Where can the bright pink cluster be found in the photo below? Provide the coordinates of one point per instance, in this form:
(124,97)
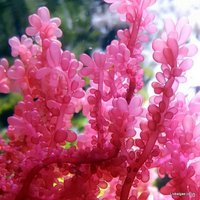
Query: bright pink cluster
(116,155)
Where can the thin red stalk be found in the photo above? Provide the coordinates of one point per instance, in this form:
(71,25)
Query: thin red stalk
(131,44)
(144,156)
(130,91)
(134,32)
(55,160)
(29,178)
(136,166)
(58,125)
(99,116)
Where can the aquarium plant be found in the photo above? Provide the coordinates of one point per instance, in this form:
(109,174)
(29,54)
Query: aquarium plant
(124,146)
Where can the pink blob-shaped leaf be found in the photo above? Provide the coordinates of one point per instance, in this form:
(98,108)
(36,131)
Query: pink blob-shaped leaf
(73,68)
(31,31)
(135,108)
(60,136)
(188,123)
(159,45)
(99,59)
(15,121)
(87,60)
(186,64)
(16,72)
(145,176)
(43,12)
(54,55)
(41,73)
(160,77)
(35,20)
(56,20)
(184,34)
(122,104)
(173,45)
(167,52)
(4,88)
(74,85)
(71,136)
(181,23)
(159,57)
(78,94)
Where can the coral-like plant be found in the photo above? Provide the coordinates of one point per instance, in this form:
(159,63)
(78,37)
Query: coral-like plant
(123,142)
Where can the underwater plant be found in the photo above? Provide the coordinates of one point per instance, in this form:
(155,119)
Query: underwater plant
(124,145)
